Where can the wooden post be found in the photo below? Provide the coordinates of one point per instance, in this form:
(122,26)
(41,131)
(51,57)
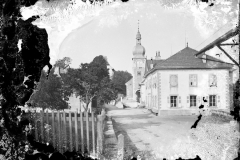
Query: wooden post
(47,138)
(76,131)
(42,125)
(59,131)
(70,130)
(64,131)
(93,134)
(99,135)
(120,155)
(53,130)
(81,124)
(36,127)
(87,126)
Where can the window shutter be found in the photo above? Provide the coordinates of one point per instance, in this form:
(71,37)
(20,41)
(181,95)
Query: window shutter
(207,98)
(168,99)
(187,99)
(179,99)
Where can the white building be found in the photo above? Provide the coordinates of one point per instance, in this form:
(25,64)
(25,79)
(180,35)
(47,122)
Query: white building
(178,84)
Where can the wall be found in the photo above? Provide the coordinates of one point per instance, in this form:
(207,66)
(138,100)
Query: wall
(151,92)
(184,90)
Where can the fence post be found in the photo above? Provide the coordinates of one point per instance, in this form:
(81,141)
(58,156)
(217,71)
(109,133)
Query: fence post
(70,130)
(93,133)
(42,125)
(59,131)
(47,138)
(81,124)
(87,126)
(76,130)
(120,155)
(53,130)
(36,127)
(99,135)
(64,131)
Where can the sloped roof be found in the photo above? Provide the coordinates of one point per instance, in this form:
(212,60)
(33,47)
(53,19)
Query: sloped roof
(186,59)
(129,81)
(149,61)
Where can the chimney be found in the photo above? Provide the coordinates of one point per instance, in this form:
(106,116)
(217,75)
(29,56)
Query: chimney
(158,57)
(204,58)
(151,65)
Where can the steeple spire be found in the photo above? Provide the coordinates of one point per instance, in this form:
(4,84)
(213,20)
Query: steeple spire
(138,37)
(138,25)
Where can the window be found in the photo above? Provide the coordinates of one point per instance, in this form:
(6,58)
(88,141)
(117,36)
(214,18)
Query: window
(193,80)
(173,80)
(139,73)
(173,100)
(212,80)
(193,101)
(212,101)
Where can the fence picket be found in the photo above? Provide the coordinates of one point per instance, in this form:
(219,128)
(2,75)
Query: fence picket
(47,137)
(59,128)
(99,136)
(93,134)
(87,128)
(59,131)
(81,124)
(42,125)
(53,130)
(36,127)
(76,131)
(70,130)
(64,132)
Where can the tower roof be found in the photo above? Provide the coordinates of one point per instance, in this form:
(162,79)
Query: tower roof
(138,50)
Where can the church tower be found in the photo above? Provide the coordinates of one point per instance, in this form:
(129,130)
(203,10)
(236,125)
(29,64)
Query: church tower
(138,64)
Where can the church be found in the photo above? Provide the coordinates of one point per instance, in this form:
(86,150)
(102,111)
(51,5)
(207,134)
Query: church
(177,85)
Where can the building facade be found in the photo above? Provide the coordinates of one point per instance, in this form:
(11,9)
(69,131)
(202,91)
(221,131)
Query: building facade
(178,84)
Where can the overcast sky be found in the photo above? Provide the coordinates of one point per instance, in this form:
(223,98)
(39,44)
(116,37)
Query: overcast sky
(113,34)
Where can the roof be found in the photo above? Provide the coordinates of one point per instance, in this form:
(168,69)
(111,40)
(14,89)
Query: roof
(149,61)
(226,36)
(129,81)
(186,59)
(139,50)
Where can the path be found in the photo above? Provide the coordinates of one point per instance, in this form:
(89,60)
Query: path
(145,132)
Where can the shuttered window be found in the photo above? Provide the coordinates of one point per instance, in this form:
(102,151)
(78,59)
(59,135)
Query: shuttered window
(193,80)
(212,80)
(173,80)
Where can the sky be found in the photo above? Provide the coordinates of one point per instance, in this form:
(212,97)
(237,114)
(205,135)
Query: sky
(82,32)
(161,30)
(113,34)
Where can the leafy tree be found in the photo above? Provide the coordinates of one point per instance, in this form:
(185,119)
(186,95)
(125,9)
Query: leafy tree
(90,80)
(119,79)
(50,93)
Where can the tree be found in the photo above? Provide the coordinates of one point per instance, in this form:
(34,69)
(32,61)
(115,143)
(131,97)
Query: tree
(50,93)
(90,80)
(119,79)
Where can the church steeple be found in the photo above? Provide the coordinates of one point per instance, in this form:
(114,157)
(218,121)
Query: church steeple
(138,50)
(138,36)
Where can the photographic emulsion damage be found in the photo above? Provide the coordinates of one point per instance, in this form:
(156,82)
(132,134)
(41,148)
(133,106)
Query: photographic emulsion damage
(119,80)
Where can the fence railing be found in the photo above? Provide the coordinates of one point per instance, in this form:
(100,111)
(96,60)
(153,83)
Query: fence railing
(71,130)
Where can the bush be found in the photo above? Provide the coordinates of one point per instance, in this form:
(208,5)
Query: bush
(236,100)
